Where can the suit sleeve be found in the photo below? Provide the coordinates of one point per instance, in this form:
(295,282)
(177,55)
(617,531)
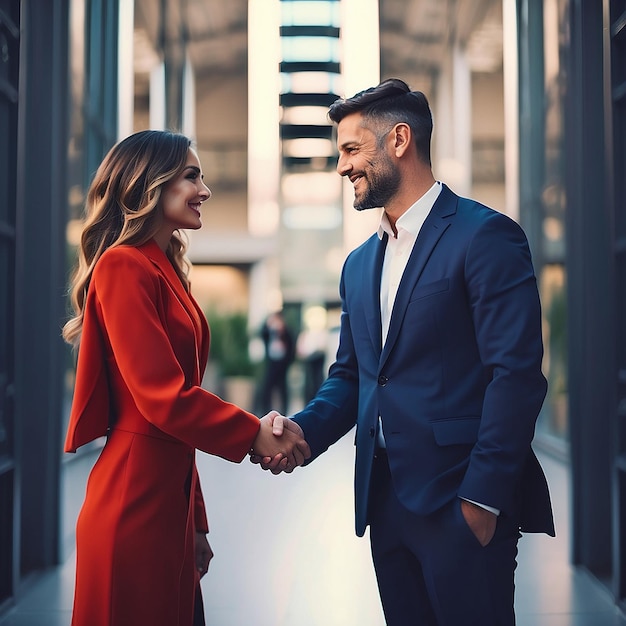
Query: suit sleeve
(506,312)
(333,410)
(127,296)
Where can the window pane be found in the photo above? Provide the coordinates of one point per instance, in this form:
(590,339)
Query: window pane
(310,49)
(310,13)
(553,296)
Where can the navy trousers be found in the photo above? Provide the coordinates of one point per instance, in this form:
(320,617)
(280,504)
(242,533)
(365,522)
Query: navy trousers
(431,570)
(198,609)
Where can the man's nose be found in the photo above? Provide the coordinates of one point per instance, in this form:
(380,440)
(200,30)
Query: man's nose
(343,167)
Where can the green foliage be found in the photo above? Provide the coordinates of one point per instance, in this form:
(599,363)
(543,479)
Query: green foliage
(556,316)
(229,343)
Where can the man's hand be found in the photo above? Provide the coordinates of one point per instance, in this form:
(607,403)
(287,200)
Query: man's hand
(279,462)
(481,522)
(204,554)
(280,444)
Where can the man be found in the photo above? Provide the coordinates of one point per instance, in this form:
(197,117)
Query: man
(439,366)
(279,354)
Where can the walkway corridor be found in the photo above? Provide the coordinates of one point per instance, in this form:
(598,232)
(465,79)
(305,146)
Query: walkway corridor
(286,554)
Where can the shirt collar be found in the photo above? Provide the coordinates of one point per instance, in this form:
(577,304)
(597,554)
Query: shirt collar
(413,218)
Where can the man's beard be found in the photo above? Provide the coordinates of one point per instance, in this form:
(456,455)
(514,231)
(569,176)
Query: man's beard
(381,185)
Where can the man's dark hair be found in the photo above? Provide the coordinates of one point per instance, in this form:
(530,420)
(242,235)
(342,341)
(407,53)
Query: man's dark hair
(387,104)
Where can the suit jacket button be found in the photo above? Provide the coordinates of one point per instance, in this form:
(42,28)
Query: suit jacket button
(372,432)
(382,380)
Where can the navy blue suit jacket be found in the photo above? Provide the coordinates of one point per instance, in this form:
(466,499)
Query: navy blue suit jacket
(458,383)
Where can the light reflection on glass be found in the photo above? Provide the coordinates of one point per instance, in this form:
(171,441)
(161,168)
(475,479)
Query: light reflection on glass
(310,13)
(310,49)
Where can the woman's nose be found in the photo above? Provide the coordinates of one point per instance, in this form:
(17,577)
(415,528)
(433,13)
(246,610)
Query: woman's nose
(205,192)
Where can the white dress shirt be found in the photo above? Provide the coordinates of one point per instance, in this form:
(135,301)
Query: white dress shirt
(399,250)
(397,253)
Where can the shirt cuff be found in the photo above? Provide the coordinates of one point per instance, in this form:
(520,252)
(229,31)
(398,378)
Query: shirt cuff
(483,506)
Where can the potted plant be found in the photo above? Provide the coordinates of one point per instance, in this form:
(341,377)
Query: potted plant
(230,355)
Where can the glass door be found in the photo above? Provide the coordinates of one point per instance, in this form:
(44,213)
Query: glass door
(9,64)
(615,116)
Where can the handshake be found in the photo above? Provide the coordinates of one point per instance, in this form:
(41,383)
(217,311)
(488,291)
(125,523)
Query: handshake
(279,445)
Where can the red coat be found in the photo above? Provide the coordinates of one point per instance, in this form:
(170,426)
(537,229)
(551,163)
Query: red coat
(143,351)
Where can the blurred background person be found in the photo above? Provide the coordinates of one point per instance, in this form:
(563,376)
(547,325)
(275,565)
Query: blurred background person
(279,355)
(312,350)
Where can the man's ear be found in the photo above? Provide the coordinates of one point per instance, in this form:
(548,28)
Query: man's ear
(402,138)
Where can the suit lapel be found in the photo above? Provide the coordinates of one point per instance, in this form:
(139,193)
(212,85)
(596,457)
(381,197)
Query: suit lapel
(431,232)
(371,290)
(152,251)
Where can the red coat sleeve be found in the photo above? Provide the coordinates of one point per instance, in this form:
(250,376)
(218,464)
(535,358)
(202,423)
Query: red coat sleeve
(148,336)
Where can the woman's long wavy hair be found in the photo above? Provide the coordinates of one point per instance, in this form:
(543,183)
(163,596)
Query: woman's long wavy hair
(123,208)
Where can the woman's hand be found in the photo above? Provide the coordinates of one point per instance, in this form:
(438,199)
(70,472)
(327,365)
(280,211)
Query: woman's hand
(281,439)
(204,554)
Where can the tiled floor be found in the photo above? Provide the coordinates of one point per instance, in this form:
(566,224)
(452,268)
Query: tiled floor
(286,553)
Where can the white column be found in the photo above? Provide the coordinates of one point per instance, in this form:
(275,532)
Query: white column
(453,123)
(157,97)
(511,108)
(188,125)
(125,69)
(360,70)
(263,116)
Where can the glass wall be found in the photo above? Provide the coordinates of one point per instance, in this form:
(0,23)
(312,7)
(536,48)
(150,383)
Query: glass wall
(93,112)
(551,269)
(9,64)
(310,194)
(92,131)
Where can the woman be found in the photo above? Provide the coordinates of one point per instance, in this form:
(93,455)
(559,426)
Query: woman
(142,346)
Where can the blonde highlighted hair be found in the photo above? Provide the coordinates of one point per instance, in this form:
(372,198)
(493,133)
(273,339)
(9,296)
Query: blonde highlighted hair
(122,207)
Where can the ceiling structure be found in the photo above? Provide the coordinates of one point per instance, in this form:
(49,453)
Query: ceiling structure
(414,34)
(417,35)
